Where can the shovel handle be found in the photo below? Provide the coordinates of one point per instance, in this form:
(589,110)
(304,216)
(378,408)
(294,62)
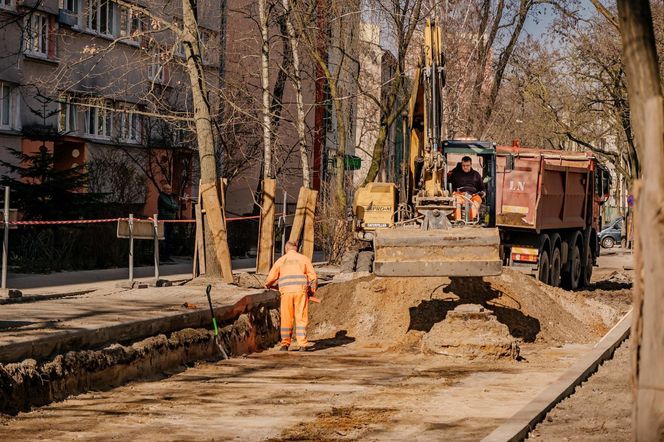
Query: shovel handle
(208,289)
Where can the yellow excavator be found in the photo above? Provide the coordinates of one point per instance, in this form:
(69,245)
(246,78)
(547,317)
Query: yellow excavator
(412,224)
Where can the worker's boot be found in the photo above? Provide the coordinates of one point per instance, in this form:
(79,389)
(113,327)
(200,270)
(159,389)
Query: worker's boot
(306,347)
(283,348)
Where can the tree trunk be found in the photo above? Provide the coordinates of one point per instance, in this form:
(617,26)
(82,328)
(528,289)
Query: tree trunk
(265,86)
(647,107)
(297,83)
(266,232)
(216,243)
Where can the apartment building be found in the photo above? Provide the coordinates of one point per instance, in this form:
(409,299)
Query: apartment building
(102,82)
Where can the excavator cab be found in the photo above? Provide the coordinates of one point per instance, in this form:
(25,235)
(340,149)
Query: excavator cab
(483,155)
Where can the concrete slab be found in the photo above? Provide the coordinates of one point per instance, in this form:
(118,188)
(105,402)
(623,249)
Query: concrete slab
(38,330)
(518,426)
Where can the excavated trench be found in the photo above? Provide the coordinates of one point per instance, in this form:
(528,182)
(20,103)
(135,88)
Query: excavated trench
(31,383)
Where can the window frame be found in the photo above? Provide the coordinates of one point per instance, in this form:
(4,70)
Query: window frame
(130,23)
(42,37)
(130,127)
(94,9)
(98,122)
(8,4)
(6,110)
(68,117)
(157,69)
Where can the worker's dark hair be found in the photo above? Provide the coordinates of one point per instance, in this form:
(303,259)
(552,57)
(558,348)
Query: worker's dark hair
(466,159)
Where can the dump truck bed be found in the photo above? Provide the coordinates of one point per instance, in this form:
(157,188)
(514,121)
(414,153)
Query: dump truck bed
(543,190)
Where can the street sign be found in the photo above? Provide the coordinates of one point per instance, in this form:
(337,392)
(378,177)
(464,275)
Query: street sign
(142,229)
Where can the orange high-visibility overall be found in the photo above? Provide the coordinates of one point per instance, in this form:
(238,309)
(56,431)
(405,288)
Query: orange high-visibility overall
(474,203)
(294,273)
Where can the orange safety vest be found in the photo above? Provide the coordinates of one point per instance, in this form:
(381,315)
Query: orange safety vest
(294,274)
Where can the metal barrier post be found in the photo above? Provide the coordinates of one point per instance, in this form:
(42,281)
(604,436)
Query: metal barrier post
(5,242)
(156,247)
(131,248)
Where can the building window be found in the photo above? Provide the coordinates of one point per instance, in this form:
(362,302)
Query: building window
(130,127)
(101,16)
(6,113)
(68,121)
(156,69)
(131,23)
(98,122)
(71,6)
(37,34)
(8,4)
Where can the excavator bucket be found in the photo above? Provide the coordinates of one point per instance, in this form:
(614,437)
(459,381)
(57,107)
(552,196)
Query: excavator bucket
(462,251)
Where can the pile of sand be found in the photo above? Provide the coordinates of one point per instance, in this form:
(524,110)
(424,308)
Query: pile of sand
(412,313)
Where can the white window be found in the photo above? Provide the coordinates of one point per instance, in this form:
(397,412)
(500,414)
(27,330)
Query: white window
(130,127)
(68,121)
(7,4)
(98,122)
(131,23)
(37,34)
(156,69)
(6,114)
(101,15)
(71,6)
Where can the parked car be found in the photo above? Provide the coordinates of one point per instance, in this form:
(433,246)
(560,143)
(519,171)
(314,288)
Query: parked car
(610,235)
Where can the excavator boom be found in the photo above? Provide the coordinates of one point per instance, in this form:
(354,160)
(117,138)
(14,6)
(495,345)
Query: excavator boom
(428,240)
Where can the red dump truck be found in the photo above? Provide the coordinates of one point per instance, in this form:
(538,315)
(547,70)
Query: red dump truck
(548,212)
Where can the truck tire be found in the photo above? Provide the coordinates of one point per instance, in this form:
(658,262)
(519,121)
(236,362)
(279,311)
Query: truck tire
(587,271)
(544,267)
(554,278)
(572,277)
(364,261)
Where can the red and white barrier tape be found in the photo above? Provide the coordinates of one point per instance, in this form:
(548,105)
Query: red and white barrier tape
(112,220)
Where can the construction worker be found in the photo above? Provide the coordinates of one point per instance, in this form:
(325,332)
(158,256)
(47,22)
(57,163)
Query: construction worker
(467,184)
(297,280)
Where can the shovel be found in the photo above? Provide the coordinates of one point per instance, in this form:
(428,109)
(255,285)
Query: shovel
(214,324)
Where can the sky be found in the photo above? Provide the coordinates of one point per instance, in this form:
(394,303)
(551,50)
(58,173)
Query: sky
(537,27)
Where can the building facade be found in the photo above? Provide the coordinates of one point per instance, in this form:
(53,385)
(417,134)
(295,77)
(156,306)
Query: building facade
(102,83)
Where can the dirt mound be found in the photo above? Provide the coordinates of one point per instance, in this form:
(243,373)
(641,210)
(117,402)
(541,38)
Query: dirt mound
(397,312)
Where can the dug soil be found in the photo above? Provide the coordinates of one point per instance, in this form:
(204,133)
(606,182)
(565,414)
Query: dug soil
(405,314)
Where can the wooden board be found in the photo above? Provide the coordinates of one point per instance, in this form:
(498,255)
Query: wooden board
(215,218)
(309,219)
(266,230)
(300,213)
(199,254)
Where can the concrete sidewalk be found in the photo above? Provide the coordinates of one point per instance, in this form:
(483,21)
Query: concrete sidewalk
(41,329)
(88,279)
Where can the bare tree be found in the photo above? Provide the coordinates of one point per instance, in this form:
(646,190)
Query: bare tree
(647,107)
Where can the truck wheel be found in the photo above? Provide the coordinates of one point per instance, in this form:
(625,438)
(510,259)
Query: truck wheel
(544,267)
(587,271)
(572,277)
(555,268)
(364,261)
(608,242)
